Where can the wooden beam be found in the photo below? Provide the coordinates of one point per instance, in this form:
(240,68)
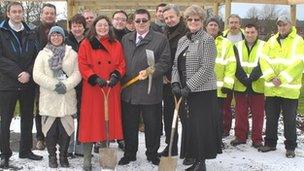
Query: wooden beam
(293,14)
(227,10)
(216,8)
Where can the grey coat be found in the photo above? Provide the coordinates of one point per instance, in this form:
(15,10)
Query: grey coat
(136,60)
(200,60)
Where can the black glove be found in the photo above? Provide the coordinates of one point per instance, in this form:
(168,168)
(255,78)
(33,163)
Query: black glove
(226,90)
(101,82)
(185,91)
(60,88)
(114,79)
(176,90)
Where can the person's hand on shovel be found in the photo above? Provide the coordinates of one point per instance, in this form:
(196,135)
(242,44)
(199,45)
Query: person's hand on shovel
(114,79)
(142,75)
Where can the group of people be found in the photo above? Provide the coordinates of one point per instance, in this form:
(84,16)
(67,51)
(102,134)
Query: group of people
(86,73)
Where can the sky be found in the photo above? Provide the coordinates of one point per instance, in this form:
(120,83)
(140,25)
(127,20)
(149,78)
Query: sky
(237,8)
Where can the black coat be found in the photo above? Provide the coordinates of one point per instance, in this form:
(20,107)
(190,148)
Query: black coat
(16,56)
(136,60)
(174,34)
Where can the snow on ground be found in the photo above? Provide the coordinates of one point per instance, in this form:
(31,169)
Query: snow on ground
(240,158)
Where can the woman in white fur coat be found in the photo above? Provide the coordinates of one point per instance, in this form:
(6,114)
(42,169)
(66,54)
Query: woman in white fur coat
(56,72)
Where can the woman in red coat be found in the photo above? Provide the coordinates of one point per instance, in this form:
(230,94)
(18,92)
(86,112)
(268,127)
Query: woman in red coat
(101,64)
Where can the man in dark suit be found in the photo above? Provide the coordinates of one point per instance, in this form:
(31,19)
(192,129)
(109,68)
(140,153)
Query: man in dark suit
(135,99)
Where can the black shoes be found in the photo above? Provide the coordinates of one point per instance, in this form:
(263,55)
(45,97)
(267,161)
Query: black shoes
(198,166)
(121,144)
(290,154)
(154,160)
(266,149)
(257,145)
(237,142)
(126,160)
(188,161)
(4,163)
(30,156)
(165,152)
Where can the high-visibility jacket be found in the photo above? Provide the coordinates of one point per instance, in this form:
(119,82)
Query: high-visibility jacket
(249,61)
(284,61)
(225,65)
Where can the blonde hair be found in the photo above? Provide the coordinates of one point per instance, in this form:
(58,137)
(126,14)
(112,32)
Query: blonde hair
(195,10)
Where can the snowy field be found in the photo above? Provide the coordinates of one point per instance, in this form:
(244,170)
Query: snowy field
(240,158)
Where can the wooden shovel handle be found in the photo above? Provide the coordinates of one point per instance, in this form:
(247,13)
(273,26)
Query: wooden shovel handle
(106,102)
(130,82)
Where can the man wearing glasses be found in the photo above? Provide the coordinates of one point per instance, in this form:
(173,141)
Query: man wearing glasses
(135,98)
(119,21)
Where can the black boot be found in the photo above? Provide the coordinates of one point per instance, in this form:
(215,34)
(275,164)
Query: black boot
(4,163)
(53,161)
(199,165)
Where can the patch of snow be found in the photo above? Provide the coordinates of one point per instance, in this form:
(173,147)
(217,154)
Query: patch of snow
(240,158)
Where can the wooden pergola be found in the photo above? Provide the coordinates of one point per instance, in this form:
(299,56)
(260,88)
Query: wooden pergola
(75,6)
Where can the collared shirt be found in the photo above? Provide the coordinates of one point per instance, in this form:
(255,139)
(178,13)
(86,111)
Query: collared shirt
(142,35)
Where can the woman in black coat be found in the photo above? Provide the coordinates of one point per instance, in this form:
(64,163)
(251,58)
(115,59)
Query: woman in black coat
(194,79)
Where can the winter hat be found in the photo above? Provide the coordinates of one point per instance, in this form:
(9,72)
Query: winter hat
(56,29)
(284,19)
(213,19)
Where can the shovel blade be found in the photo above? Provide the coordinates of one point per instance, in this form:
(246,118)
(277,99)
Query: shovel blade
(167,164)
(108,158)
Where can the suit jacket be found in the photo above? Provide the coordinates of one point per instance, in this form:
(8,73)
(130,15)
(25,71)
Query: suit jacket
(136,60)
(200,61)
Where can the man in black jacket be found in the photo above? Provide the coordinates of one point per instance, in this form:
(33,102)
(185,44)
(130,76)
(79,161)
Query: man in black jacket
(17,55)
(119,22)
(175,29)
(135,98)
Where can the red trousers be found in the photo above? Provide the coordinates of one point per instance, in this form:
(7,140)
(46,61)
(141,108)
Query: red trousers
(255,103)
(227,114)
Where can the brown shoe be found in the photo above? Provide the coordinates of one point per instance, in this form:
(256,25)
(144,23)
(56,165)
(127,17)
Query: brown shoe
(257,145)
(237,142)
(266,149)
(290,154)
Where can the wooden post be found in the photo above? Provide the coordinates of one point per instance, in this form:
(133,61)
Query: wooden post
(227,11)
(293,14)
(215,8)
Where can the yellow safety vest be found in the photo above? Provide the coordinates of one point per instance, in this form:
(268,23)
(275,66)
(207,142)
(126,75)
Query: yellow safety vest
(248,62)
(225,64)
(283,61)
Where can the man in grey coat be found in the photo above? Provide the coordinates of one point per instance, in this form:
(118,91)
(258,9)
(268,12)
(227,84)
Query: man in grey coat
(135,98)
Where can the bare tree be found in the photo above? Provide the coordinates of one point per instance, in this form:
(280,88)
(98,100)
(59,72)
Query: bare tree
(270,12)
(32,11)
(253,13)
(3,5)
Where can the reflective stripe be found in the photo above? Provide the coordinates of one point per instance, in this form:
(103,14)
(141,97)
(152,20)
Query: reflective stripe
(229,80)
(267,72)
(286,76)
(294,86)
(219,83)
(258,55)
(221,61)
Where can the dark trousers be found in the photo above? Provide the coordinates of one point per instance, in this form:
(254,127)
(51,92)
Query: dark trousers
(168,111)
(151,116)
(8,102)
(221,102)
(255,103)
(227,113)
(57,135)
(39,134)
(273,107)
